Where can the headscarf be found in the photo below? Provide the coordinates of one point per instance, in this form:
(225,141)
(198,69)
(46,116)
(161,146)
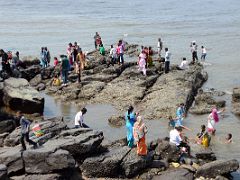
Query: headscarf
(215,115)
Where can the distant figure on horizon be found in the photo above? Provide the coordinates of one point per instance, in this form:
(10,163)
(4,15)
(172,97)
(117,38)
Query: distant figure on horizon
(159,46)
(97,40)
(204,53)
(167,60)
(194,46)
(79,119)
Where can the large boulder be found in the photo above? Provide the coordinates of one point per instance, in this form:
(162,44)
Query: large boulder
(12,158)
(133,164)
(30,72)
(7,125)
(106,164)
(175,174)
(19,95)
(116,121)
(218,167)
(36,80)
(47,160)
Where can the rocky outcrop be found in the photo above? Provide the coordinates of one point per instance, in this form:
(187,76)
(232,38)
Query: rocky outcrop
(133,164)
(218,167)
(236,101)
(3,172)
(19,95)
(204,101)
(175,174)
(116,121)
(107,164)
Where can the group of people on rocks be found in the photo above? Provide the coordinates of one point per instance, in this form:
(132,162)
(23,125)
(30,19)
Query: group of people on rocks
(45,57)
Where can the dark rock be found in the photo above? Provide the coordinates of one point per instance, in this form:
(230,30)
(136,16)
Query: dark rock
(30,72)
(218,167)
(106,164)
(116,121)
(18,95)
(11,157)
(47,73)
(7,126)
(133,164)
(36,80)
(167,151)
(206,154)
(2,137)
(159,164)
(3,172)
(175,174)
(47,160)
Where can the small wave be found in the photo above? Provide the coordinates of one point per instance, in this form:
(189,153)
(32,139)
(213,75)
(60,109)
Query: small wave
(206,64)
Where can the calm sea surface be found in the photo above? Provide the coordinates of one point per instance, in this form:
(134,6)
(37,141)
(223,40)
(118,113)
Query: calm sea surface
(27,25)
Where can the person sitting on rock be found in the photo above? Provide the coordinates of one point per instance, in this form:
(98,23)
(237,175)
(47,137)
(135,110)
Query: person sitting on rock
(25,126)
(79,119)
(183,65)
(56,81)
(176,138)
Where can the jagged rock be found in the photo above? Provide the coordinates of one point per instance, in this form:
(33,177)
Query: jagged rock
(36,80)
(3,172)
(47,73)
(2,137)
(218,167)
(116,121)
(11,157)
(159,164)
(206,154)
(30,72)
(106,164)
(40,87)
(204,102)
(133,164)
(7,126)
(47,160)
(19,95)
(175,174)
(167,151)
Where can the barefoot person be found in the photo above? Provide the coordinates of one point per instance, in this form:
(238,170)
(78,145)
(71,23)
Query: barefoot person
(25,126)
(213,118)
(142,63)
(139,132)
(130,119)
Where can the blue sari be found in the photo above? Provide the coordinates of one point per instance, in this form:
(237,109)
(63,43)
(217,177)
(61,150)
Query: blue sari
(130,120)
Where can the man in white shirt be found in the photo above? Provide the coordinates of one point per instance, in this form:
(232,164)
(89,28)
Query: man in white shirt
(175,137)
(167,60)
(183,65)
(113,55)
(79,119)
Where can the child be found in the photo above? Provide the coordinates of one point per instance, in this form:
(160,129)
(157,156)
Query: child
(201,134)
(56,81)
(229,138)
(55,62)
(171,122)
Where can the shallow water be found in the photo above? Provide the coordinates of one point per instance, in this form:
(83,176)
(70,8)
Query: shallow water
(27,25)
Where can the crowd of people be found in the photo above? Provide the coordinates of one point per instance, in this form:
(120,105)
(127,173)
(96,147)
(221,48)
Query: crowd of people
(136,128)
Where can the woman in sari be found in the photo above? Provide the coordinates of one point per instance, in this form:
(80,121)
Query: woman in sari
(139,132)
(130,120)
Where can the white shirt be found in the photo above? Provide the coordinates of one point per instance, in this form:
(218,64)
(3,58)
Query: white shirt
(184,65)
(79,119)
(167,56)
(204,51)
(175,137)
(113,52)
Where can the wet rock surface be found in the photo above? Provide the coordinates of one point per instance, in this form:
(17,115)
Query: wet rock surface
(236,101)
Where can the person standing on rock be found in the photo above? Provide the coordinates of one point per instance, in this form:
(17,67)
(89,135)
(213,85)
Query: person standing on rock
(130,119)
(65,66)
(167,60)
(5,62)
(159,47)
(204,54)
(48,56)
(142,63)
(194,51)
(25,126)
(43,55)
(97,40)
(79,119)
(180,113)
(120,51)
(139,132)
(80,63)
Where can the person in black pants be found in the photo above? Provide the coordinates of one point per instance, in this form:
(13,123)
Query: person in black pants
(167,60)
(25,125)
